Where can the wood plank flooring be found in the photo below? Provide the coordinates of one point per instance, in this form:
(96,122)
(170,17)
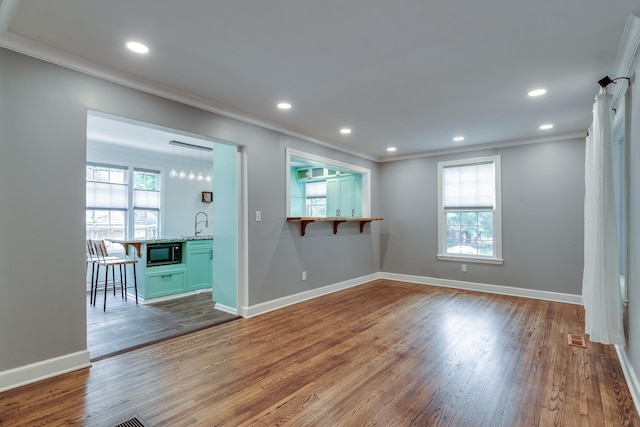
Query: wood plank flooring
(382,354)
(125,326)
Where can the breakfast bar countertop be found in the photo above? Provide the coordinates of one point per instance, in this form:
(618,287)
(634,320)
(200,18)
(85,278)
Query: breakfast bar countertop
(137,243)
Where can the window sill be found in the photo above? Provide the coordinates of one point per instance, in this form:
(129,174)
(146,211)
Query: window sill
(449,257)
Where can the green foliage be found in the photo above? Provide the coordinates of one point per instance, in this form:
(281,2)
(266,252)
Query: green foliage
(145,181)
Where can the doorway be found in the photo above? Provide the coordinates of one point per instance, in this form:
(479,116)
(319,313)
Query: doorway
(136,146)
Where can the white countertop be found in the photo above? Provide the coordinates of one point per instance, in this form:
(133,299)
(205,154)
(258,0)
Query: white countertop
(161,240)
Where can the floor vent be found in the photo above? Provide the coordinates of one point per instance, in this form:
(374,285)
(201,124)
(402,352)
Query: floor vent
(577,340)
(133,422)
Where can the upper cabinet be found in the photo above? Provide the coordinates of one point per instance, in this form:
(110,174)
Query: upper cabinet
(315,173)
(344,196)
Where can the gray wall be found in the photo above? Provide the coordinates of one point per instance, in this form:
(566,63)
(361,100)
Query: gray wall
(277,252)
(42,195)
(542,218)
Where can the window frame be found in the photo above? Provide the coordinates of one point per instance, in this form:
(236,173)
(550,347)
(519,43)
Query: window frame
(323,197)
(131,208)
(137,208)
(497,213)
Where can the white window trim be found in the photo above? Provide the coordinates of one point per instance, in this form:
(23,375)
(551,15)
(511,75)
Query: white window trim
(497,215)
(130,168)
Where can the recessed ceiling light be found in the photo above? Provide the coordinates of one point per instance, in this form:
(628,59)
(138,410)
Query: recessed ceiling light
(284,105)
(391,149)
(546,126)
(137,47)
(458,138)
(537,92)
(345,131)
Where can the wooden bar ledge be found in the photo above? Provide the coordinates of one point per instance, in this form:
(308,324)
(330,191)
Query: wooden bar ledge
(306,220)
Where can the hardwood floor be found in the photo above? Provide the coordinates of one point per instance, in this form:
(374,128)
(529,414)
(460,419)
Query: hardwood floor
(125,325)
(385,353)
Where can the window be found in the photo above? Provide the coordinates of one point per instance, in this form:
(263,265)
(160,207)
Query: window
(109,197)
(316,198)
(469,217)
(146,204)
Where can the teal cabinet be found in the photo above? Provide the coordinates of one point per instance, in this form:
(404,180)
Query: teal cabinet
(164,280)
(344,196)
(194,272)
(199,262)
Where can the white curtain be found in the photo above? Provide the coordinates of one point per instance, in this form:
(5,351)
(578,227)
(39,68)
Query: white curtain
(601,279)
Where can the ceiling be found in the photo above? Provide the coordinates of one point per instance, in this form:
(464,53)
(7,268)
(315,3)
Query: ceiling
(409,73)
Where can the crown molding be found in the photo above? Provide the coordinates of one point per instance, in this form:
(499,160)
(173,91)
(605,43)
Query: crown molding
(74,62)
(626,56)
(489,146)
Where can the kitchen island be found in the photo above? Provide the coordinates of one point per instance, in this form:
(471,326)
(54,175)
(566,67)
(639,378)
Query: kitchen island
(187,268)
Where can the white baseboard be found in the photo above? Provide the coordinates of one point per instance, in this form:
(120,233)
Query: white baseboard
(630,376)
(225,308)
(168,297)
(265,307)
(482,287)
(39,371)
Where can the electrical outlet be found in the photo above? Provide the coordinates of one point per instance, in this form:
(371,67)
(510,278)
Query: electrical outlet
(304,275)
(464,268)
(258,216)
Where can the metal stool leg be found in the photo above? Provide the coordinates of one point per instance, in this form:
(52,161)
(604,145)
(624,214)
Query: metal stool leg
(106,277)
(93,273)
(94,296)
(113,277)
(135,283)
(123,286)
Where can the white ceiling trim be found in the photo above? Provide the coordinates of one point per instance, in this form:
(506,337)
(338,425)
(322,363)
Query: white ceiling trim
(74,62)
(491,145)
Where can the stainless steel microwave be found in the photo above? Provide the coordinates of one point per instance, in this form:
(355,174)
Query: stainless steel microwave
(164,253)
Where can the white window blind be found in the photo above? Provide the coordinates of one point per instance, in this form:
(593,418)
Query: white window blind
(469,186)
(145,199)
(106,195)
(146,189)
(106,187)
(316,189)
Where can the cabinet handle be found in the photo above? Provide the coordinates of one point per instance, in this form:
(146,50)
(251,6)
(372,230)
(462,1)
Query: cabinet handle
(353,212)
(211,254)
(337,212)
(164,276)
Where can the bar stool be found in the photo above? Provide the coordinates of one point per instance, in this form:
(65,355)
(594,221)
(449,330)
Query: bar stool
(103,258)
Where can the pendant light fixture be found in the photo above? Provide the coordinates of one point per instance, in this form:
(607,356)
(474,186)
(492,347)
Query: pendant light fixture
(208,178)
(173,173)
(191,176)
(182,174)
(200,176)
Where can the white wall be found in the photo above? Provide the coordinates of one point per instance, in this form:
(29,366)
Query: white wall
(181,199)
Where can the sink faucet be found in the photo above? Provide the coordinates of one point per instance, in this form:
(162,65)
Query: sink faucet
(206,221)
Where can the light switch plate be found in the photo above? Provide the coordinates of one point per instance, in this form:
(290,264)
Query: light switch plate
(258,216)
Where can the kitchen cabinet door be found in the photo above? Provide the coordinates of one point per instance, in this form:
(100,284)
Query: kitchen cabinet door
(341,200)
(346,197)
(199,265)
(333,197)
